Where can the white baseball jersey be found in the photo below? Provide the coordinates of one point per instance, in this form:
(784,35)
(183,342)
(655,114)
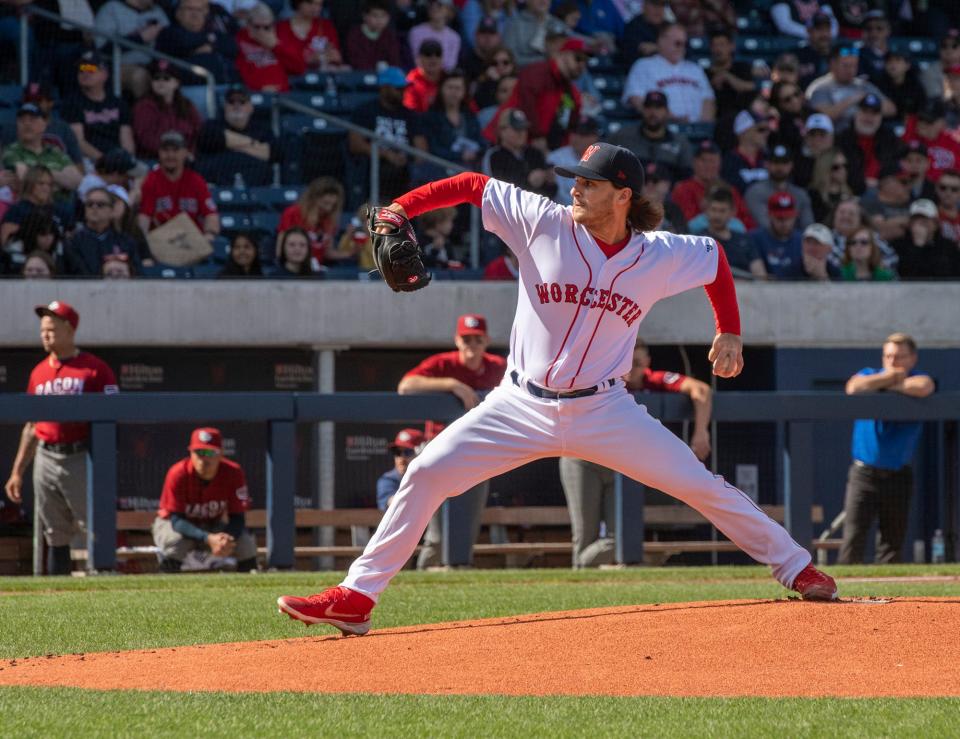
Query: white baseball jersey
(578,312)
(685,84)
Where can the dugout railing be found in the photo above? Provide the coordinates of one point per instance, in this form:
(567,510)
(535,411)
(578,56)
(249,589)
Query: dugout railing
(793,414)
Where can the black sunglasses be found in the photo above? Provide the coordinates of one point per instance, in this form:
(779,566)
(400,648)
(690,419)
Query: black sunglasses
(403,452)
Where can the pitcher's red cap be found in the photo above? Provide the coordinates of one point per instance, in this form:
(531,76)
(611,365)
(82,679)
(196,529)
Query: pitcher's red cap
(206,438)
(471,324)
(59,309)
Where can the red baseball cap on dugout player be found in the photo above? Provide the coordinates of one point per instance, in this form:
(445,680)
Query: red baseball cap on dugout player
(471,324)
(59,309)
(206,438)
(408,439)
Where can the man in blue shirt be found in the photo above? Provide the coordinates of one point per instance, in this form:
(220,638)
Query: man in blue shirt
(880,481)
(780,243)
(404,448)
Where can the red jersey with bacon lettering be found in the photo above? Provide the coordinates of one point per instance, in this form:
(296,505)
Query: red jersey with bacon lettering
(163,198)
(578,311)
(203,502)
(658,381)
(82,373)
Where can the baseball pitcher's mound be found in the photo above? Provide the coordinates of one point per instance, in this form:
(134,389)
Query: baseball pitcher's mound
(865,647)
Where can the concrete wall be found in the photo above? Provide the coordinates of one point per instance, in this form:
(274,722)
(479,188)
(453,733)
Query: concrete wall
(365,314)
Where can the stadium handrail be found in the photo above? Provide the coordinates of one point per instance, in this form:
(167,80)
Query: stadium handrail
(793,413)
(117,41)
(376,141)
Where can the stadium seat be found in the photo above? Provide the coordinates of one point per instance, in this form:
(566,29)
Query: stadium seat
(765,47)
(924,48)
(296,125)
(231,223)
(207,270)
(10,96)
(229,199)
(312,99)
(276,197)
(357,80)
(265,221)
(165,271)
(614,110)
(696,132)
(609,85)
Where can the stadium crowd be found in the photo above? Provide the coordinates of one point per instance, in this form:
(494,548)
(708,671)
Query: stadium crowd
(815,140)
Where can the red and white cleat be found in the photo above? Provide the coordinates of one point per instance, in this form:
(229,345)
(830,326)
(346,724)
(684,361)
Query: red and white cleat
(815,585)
(346,609)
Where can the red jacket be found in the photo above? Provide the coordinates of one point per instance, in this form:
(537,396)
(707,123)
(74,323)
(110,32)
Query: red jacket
(550,101)
(420,91)
(260,67)
(151,121)
(943,151)
(321,31)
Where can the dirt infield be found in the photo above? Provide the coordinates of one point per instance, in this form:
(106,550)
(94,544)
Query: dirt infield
(896,647)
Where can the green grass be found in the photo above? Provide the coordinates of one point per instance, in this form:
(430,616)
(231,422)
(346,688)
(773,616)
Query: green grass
(95,713)
(67,615)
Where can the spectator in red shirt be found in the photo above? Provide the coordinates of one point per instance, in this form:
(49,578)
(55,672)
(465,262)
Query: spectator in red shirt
(164,108)
(202,507)
(546,93)
(373,41)
(504,267)
(315,38)
(262,61)
(464,372)
(171,189)
(929,126)
(689,194)
(59,450)
(318,213)
(424,79)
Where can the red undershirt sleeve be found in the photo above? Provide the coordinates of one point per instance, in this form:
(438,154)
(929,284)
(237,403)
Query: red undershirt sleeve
(723,297)
(466,187)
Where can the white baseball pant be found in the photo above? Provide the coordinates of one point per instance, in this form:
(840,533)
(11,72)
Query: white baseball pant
(511,427)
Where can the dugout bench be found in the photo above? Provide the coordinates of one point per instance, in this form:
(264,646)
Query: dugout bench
(550,525)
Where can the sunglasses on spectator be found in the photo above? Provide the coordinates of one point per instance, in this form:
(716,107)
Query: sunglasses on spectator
(838,165)
(503,61)
(162,77)
(89,68)
(859,242)
(788,98)
(763,129)
(98,204)
(431,53)
(848,51)
(403,452)
(949,188)
(208,453)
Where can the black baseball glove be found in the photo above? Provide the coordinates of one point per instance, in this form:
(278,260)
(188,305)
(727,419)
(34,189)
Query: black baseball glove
(396,253)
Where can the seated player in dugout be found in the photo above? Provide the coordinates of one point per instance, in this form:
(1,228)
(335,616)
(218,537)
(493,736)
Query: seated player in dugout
(202,507)
(589,487)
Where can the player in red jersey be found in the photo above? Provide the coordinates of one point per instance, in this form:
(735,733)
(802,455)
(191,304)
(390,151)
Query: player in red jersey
(59,450)
(465,372)
(202,507)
